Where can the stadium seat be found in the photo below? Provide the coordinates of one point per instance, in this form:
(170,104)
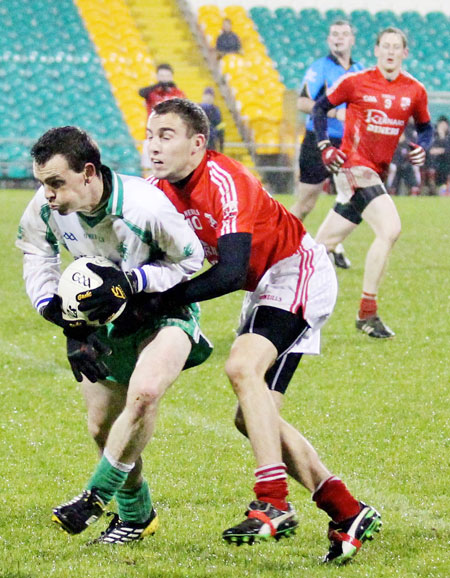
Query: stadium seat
(47,49)
(295,41)
(335,14)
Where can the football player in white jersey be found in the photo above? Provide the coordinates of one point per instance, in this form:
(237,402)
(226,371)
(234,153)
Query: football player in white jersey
(124,367)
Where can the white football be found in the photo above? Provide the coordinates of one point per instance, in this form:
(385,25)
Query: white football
(77,278)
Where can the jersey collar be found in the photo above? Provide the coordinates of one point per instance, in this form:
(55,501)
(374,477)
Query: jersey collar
(386,80)
(336,61)
(115,202)
(195,177)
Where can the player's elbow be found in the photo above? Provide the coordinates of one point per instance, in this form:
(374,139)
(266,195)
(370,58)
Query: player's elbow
(237,279)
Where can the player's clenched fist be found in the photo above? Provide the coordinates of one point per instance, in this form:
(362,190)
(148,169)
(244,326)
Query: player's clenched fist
(332,157)
(104,301)
(416,155)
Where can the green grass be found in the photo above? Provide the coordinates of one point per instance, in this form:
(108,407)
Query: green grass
(377,412)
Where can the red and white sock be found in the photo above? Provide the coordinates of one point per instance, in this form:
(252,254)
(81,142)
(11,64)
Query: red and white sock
(271,485)
(367,305)
(333,497)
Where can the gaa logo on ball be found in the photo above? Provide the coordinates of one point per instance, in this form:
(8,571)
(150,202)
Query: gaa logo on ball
(75,279)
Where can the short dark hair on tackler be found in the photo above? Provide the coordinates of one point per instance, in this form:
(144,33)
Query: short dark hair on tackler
(190,112)
(74,144)
(393,30)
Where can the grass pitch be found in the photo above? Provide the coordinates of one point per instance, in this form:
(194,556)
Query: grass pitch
(377,412)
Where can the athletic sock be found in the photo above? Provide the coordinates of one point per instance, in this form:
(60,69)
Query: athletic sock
(271,485)
(367,305)
(109,476)
(135,504)
(333,497)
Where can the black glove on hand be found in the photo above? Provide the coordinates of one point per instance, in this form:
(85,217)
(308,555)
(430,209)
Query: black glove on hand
(84,359)
(53,313)
(139,310)
(106,300)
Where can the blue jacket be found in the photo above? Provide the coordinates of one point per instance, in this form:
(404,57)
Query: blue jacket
(320,76)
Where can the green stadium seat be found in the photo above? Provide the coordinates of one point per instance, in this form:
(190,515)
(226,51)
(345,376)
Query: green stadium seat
(259,12)
(386,17)
(335,14)
(285,13)
(310,14)
(361,15)
(45,46)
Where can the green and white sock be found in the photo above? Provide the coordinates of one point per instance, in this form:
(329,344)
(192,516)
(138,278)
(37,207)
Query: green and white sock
(109,476)
(135,504)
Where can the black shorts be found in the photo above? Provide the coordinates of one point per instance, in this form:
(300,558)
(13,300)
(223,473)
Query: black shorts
(280,374)
(312,169)
(282,328)
(362,197)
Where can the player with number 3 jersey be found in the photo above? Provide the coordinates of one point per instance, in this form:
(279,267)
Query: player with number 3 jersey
(379,103)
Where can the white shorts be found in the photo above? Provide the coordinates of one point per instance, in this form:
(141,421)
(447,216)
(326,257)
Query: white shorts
(346,181)
(306,281)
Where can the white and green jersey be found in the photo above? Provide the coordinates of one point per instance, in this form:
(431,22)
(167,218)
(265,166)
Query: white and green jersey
(138,228)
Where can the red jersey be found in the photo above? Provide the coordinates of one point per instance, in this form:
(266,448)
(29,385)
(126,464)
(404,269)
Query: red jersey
(159,94)
(223,197)
(377,113)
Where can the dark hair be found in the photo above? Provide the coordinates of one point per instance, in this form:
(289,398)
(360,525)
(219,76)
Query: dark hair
(164,67)
(192,114)
(442,118)
(74,144)
(341,22)
(393,30)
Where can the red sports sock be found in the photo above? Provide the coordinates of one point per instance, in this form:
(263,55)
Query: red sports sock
(367,305)
(271,485)
(333,497)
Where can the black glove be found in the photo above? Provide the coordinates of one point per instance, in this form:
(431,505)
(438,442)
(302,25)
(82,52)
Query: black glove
(76,328)
(106,300)
(84,359)
(139,310)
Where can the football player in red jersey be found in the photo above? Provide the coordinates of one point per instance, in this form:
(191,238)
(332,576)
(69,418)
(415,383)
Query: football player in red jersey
(255,243)
(379,101)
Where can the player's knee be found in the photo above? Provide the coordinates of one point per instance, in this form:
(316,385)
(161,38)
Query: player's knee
(239,372)
(391,234)
(144,396)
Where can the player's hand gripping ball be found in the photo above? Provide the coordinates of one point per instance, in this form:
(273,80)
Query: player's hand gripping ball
(78,282)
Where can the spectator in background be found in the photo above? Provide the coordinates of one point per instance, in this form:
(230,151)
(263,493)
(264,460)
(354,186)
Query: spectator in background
(439,159)
(401,172)
(228,41)
(320,76)
(217,126)
(164,89)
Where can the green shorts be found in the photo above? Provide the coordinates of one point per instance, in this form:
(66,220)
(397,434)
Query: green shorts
(125,349)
